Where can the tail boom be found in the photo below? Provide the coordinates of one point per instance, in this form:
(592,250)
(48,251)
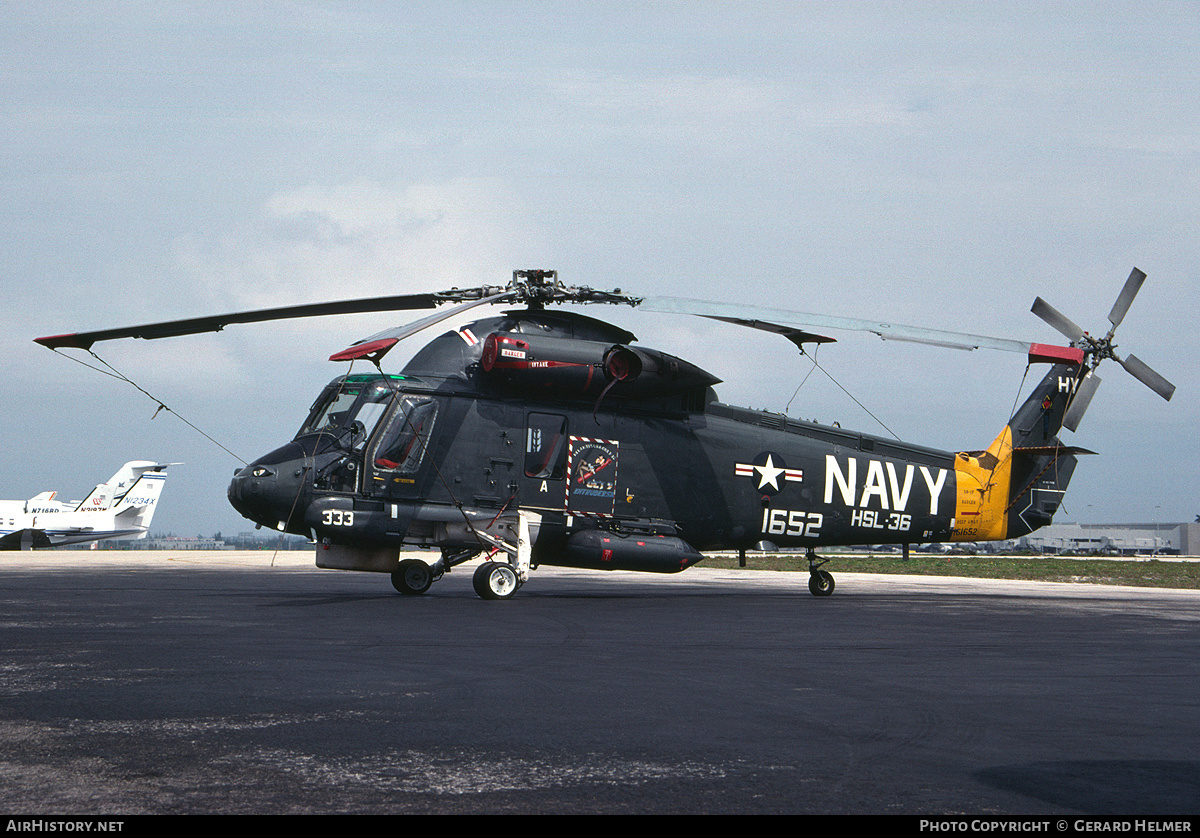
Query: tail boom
(1018,483)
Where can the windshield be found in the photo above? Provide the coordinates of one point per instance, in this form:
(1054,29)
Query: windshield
(359,398)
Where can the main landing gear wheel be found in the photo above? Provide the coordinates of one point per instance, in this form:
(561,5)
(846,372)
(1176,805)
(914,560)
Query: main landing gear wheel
(820,583)
(413,577)
(494,580)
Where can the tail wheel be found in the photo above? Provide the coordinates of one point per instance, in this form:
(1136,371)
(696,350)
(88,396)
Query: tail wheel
(493,580)
(820,583)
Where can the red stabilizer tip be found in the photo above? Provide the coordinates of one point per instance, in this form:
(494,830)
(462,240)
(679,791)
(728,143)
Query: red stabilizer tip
(1044,353)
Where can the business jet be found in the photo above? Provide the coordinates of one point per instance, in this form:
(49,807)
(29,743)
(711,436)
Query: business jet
(122,508)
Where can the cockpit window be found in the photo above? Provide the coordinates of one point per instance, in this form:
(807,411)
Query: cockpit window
(402,444)
(362,399)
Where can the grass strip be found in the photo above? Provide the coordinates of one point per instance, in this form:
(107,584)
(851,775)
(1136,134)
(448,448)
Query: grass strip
(1141,572)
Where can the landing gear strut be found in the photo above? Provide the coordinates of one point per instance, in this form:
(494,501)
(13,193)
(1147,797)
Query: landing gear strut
(500,579)
(820,582)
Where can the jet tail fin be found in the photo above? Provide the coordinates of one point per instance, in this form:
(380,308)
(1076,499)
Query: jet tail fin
(135,507)
(97,500)
(105,495)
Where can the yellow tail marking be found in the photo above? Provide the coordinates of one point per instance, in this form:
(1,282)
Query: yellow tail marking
(983,484)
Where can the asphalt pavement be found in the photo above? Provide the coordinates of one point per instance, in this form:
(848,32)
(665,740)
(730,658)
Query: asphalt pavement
(252,682)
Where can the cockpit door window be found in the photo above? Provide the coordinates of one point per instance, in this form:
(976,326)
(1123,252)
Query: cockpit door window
(401,447)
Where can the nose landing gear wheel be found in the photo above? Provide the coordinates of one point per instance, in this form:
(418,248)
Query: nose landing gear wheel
(413,577)
(493,580)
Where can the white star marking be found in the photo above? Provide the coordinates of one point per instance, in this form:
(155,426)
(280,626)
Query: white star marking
(769,474)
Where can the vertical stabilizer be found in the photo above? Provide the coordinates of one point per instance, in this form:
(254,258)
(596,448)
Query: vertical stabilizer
(136,506)
(1042,465)
(103,496)
(983,478)
(98,500)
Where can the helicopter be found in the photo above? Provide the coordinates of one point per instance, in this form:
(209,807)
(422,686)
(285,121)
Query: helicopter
(543,436)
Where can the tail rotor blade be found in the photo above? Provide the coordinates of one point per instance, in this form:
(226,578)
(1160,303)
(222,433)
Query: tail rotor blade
(1138,369)
(1083,397)
(1132,285)
(1057,319)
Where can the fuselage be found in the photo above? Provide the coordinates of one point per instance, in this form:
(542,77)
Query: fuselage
(459,441)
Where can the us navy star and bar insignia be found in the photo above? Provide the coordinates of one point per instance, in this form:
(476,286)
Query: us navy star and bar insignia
(770,471)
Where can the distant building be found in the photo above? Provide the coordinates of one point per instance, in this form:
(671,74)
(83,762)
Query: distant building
(172,542)
(1115,539)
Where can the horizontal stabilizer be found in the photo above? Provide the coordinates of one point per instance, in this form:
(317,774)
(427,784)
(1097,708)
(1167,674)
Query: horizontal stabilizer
(1053,449)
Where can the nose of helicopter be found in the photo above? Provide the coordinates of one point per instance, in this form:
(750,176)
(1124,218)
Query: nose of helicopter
(270,491)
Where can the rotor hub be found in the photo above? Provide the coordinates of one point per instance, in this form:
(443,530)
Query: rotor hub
(536,288)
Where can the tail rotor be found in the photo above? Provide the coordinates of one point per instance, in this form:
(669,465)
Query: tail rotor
(1098,349)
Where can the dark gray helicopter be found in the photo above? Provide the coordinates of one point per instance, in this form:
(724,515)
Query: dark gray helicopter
(546,437)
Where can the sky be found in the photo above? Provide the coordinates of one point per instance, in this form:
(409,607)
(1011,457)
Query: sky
(935,164)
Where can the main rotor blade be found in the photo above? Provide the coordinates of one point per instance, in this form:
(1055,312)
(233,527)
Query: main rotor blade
(796,336)
(1138,369)
(734,312)
(196,325)
(1132,285)
(1079,404)
(1057,319)
(380,344)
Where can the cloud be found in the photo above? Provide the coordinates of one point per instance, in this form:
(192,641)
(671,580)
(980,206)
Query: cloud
(365,239)
(333,242)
